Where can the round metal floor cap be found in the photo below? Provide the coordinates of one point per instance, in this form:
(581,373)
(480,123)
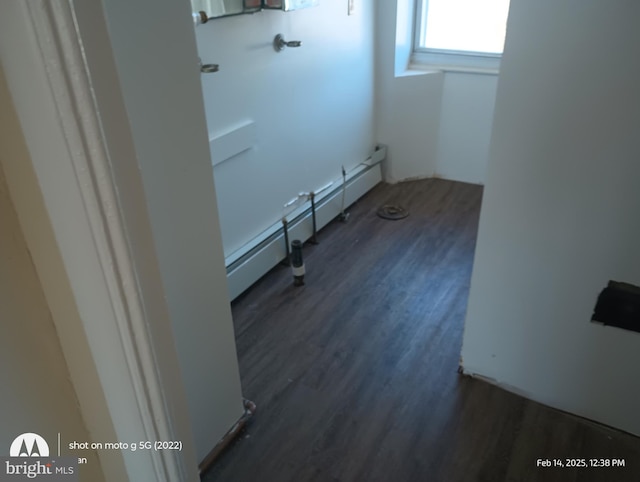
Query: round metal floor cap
(392,212)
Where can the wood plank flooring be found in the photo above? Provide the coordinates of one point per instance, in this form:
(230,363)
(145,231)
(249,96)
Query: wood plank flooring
(355,374)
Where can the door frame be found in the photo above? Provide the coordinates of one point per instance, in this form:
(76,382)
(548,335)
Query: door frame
(107,304)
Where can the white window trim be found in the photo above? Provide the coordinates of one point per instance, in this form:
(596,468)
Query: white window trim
(448,60)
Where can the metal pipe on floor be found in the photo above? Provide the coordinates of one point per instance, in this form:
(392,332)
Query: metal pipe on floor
(314,236)
(343,215)
(297,263)
(312,197)
(285,228)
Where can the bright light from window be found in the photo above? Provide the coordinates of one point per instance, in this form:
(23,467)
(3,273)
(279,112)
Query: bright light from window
(464,25)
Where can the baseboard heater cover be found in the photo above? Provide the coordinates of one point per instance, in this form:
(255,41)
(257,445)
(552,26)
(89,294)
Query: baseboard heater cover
(256,260)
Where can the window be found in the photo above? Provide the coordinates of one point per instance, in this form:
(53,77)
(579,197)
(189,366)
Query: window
(460,34)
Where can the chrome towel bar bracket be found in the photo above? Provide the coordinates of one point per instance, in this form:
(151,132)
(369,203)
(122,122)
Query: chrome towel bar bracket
(279,43)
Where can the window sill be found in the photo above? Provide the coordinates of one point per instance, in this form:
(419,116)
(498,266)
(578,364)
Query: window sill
(430,68)
(424,61)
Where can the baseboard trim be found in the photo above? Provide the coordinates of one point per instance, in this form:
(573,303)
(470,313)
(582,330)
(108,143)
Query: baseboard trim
(262,255)
(230,436)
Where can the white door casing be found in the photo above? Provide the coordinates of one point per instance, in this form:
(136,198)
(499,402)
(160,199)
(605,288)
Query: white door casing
(108,336)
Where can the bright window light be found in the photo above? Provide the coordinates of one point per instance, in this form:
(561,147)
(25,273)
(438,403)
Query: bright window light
(474,26)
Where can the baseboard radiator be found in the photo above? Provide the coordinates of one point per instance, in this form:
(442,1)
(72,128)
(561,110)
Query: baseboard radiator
(255,259)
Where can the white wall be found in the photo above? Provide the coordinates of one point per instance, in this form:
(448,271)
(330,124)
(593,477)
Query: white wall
(560,211)
(435,123)
(407,103)
(312,106)
(134,213)
(37,395)
(466,118)
(156,61)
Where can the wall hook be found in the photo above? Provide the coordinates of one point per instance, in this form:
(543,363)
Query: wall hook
(279,43)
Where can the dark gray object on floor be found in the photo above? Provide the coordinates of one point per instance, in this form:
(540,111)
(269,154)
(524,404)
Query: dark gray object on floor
(392,212)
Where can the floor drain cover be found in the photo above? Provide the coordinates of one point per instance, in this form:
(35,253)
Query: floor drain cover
(392,212)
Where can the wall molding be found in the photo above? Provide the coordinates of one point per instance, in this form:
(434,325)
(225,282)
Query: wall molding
(73,172)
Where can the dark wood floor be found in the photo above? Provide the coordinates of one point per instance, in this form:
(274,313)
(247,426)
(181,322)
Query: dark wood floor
(355,374)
